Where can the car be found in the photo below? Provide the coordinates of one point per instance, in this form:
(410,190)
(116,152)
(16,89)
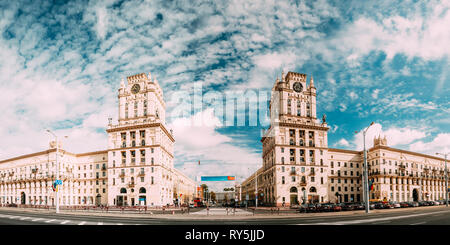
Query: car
(404,205)
(303,208)
(394,205)
(430,203)
(359,206)
(415,204)
(347,207)
(311,208)
(191,205)
(379,205)
(423,203)
(337,208)
(437,203)
(326,207)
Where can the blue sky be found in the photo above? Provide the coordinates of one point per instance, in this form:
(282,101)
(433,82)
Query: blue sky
(386,62)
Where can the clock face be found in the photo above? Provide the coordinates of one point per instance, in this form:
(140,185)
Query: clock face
(135,89)
(298,87)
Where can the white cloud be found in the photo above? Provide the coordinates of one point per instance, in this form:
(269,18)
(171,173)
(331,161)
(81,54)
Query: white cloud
(395,136)
(440,143)
(343,142)
(218,153)
(414,35)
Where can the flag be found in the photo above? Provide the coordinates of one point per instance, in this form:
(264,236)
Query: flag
(198,162)
(230,177)
(371,185)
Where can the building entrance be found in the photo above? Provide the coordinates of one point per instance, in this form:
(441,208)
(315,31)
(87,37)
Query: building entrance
(415,195)
(119,200)
(22,198)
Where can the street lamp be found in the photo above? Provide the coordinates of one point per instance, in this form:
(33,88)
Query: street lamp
(366,177)
(57,168)
(446,177)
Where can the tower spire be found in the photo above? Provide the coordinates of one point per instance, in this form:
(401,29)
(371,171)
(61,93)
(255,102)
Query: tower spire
(311,82)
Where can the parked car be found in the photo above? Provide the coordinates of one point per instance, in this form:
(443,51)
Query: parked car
(423,203)
(326,207)
(359,206)
(430,203)
(404,205)
(347,207)
(303,208)
(437,203)
(337,208)
(395,205)
(379,205)
(191,205)
(415,204)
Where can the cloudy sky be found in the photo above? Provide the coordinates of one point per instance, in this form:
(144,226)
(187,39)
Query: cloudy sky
(61,66)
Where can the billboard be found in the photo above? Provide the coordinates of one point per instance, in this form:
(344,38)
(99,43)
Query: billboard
(218,178)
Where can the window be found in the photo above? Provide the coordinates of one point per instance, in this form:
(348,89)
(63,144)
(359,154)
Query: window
(282,180)
(97,166)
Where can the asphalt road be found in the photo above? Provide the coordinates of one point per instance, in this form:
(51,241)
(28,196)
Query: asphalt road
(411,216)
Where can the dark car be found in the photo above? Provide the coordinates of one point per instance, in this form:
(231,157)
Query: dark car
(347,207)
(12,205)
(326,207)
(423,203)
(379,205)
(359,206)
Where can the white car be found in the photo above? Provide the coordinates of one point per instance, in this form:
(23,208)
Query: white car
(191,205)
(396,205)
(436,203)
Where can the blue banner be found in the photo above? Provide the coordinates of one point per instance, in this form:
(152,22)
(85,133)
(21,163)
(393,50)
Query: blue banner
(218,178)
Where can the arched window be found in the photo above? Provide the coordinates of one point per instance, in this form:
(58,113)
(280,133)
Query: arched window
(142,190)
(312,189)
(293,189)
(123,190)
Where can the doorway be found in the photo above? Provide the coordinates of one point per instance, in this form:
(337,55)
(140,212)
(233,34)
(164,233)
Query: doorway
(98,200)
(415,195)
(119,200)
(22,198)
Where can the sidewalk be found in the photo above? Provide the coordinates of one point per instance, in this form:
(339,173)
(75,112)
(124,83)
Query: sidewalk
(191,216)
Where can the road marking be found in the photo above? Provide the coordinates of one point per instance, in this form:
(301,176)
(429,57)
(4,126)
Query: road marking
(419,223)
(382,222)
(13,217)
(351,222)
(50,220)
(65,222)
(36,219)
(100,223)
(82,223)
(24,218)
(119,224)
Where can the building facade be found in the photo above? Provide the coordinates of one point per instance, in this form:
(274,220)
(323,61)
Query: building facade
(298,167)
(136,169)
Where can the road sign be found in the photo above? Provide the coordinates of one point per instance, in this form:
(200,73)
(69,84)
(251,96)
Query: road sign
(58,182)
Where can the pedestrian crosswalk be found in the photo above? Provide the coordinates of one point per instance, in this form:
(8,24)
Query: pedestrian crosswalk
(57,221)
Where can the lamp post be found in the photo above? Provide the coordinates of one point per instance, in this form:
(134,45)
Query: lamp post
(366,177)
(57,168)
(446,177)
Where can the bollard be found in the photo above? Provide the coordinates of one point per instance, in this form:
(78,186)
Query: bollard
(173,212)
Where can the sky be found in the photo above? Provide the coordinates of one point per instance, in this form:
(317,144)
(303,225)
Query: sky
(386,62)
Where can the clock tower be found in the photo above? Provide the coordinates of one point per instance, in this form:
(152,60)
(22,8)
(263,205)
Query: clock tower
(140,148)
(295,145)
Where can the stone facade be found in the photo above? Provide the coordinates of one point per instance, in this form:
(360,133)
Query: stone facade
(136,169)
(299,167)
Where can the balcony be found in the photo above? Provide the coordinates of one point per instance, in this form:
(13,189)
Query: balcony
(121,175)
(302,183)
(312,173)
(292,172)
(141,174)
(131,185)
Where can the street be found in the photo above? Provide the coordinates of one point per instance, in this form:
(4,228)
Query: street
(412,216)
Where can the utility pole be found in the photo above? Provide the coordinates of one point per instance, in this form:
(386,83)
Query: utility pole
(256,189)
(366,175)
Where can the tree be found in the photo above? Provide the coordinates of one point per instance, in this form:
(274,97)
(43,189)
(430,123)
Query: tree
(213,196)
(204,190)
